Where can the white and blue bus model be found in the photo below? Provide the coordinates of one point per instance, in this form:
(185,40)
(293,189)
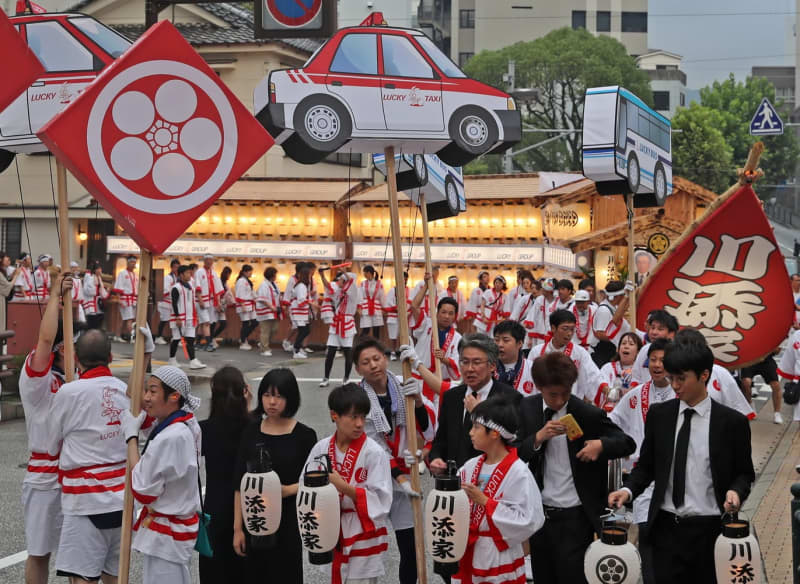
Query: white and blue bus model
(627,146)
(442,184)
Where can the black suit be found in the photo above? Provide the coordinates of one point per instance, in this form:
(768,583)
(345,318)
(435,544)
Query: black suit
(558,548)
(452,440)
(683,550)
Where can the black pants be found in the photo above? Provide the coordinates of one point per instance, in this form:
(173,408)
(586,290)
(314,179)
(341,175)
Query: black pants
(376,331)
(603,352)
(161,325)
(408,555)
(221,324)
(173,347)
(683,551)
(557,549)
(331,355)
(646,553)
(248,327)
(95,321)
(302,333)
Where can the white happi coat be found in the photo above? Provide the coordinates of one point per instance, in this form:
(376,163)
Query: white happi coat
(424,348)
(424,306)
(474,302)
(186,316)
(584,334)
(345,302)
(165,483)
(458,296)
(326,303)
(208,288)
(37,390)
(602,322)
(125,286)
(522,312)
(300,307)
(542,309)
(524,380)
(363,521)
(78,298)
(41,283)
(512,516)
(370,303)
(245,299)
(390,308)
(23,286)
(494,311)
(268,302)
(789,367)
(84,424)
(723,388)
(630,415)
(93,290)
(589,385)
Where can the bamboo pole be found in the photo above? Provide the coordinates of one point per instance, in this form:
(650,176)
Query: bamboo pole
(402,337)
(631,262)
(432,291)
(135,386)
(63,236)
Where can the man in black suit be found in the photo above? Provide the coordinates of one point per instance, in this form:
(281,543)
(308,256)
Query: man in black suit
(572,474)
(698,453)
(477,361)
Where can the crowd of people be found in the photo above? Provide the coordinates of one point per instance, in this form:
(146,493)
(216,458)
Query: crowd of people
(525,405)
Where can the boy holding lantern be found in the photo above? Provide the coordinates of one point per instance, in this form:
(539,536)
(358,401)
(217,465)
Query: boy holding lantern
(363,478)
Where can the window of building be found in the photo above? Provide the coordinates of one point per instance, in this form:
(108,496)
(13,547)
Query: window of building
(357,53)
(12,237)
(666,67)
(634,22)
(463,58)
(603,21)
(402,59)
(784,93)
(683,99)
(57,49)
(578,19)
(466,18)
(661,101)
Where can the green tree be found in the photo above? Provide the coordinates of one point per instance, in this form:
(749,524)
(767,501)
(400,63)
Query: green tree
(700,152)
(562,65)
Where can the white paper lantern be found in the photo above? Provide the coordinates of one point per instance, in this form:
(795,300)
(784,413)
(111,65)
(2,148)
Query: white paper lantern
(261,499)
(737,555)
(447,521)
(612,559)
(318,515)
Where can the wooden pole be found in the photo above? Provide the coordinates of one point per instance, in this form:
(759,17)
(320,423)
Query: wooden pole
(135,387)
(63,236)
(432,291)
(402,337)
(631,262)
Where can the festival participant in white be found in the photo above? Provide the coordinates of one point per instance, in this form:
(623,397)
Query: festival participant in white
(630,414)
(77,291)
(584,319)
(39,381)
(326,304)
(588,285)
(422,286)
(226,301)
(452,291)
(660,325)
(286,301)
(165,478)
(514,369)
(523,304)
(542,309)
(245,305)
(165,304)
(343,328)
(609,321)
(268,309)
(126,288)
(84,426)
(767,368)
(618,373)
(300,309)
(208,293)
(789,367)
(94,296)
(493,307)
(474,302)
(589,385)
(564,290)
(23,285)
(372,299)
(184,319)
(390,308)
(41,277)
(506,505)
(386,425)
(362,475)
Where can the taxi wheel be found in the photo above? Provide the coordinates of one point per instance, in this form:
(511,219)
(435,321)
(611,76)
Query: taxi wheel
(6,158)
(473,130)
(634,174)
(421,168)
(322,123)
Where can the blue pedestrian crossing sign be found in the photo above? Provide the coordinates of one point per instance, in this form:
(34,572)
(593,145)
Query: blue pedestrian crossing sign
(766,121)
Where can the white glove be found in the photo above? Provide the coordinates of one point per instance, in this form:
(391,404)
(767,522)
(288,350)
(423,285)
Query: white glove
(132,424)
(629,286)
(409,387)
(409,458)
(409,490)
(149,345)
(407,352)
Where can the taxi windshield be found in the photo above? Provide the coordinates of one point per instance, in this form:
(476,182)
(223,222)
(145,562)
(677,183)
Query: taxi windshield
(445,65)
(112,43)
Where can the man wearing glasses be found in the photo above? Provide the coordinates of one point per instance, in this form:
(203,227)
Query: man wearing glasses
(478,356)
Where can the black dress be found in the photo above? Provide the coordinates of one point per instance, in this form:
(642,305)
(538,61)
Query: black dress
(221,437)
(284,562)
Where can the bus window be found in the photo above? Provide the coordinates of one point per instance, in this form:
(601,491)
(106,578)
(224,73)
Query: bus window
(633,118)
(622,124)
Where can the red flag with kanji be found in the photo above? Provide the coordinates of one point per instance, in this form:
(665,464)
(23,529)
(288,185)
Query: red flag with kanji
(727,279)
(19,67)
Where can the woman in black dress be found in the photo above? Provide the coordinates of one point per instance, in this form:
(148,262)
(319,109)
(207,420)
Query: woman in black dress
(288,442)
(221,436)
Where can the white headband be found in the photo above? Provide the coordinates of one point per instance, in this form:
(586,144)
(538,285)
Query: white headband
(496,427)
(614,294)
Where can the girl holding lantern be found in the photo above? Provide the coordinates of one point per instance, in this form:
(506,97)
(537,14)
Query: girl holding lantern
(506,506)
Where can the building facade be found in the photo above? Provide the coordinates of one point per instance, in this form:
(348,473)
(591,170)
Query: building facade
(401,13)
(667,80)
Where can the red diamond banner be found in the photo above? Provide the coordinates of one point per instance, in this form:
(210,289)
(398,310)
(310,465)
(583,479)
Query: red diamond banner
(19,67)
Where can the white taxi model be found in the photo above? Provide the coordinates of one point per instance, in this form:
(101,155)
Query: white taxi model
(73,48)
(369,87)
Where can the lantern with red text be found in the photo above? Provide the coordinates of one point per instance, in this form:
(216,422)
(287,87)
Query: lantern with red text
(318,513)
(447,521)
(261,499)
(612,559)
(737,555)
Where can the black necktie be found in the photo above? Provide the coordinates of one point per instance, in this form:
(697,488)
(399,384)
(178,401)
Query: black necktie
(681,453)
(538,472)
(468,416)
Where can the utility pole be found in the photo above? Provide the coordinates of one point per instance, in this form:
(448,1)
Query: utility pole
(509,79)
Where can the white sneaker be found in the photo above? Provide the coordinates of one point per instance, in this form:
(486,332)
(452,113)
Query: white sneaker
(300,355)
(173,362)
(777,418)
(325,382)
(196,364)
(528,569)
(308,350)
(245,347)
(160,341)
(266,353)
(287,346)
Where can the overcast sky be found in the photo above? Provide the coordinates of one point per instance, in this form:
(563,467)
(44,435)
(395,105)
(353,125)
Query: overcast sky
(717,37)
